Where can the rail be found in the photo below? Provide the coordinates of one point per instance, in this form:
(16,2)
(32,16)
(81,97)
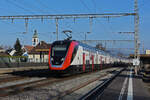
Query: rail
(97,92)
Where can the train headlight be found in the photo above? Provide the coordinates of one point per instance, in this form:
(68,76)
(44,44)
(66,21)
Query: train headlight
(62,59)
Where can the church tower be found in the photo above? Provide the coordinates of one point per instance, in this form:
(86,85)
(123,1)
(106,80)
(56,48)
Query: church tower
(35,39)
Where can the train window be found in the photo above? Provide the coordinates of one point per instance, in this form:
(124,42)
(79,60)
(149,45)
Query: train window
(87,62)
(59,50)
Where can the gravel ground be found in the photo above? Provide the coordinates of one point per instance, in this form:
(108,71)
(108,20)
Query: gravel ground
(3,75)
(26,80)
(6,75)
(54,91)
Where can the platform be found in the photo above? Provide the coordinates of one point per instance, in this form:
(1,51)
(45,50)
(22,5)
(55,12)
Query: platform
(127,86)
(9,70)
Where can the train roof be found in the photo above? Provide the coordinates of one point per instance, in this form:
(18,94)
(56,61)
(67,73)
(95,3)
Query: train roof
(88,47)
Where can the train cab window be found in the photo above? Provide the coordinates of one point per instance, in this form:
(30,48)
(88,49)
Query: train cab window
(59,50)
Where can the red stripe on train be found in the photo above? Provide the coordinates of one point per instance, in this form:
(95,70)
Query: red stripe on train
(83,61)
(49,58)
(92,62)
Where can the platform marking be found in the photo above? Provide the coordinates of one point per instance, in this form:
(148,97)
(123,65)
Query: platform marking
(130,87)
(123,89)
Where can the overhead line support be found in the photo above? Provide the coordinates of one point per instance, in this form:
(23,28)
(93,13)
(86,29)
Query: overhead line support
(136,23)
(66,16)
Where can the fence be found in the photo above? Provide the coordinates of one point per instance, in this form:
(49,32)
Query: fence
(19,61)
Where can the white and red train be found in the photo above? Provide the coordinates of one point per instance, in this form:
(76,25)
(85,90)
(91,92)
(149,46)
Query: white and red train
(70,56)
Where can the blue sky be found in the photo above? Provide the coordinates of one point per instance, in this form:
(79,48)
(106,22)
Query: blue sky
(102,29)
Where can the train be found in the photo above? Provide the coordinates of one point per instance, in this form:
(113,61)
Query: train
(71,56)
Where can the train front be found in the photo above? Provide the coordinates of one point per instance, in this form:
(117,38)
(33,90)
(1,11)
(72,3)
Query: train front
(60,55)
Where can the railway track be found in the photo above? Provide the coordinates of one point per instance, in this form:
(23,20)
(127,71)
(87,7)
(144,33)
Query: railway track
(15,89)
(18,88)
(29,86)
(11,79)
(18,76)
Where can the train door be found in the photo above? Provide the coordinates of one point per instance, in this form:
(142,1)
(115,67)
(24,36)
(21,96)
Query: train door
(83,61)
(92,62)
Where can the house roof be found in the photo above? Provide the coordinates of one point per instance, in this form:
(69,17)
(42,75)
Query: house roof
(1,48)
(28,47)
(41,47)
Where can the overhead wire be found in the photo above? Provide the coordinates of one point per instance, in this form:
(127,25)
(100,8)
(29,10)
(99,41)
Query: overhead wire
(84,4)
(94,4)
(3,9)
(16,28)
(30,6)
(2,21)
(143,3)
(18,6)
(107,31)
(44,5)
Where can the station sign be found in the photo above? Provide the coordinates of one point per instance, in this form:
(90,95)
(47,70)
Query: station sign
(136,62)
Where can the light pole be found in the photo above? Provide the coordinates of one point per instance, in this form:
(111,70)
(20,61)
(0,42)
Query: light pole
(136,36)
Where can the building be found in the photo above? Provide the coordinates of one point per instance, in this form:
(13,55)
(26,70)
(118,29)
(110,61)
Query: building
(147,52)
(3,56)
(12,52)
(144,58)
(3,53)
(39,53)
(26,49)
(2,50)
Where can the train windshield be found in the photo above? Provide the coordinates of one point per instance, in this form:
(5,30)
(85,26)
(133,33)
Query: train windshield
(59,50)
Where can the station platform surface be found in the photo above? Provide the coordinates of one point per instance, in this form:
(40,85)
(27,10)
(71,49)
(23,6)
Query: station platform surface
(127,86)
(9,70)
